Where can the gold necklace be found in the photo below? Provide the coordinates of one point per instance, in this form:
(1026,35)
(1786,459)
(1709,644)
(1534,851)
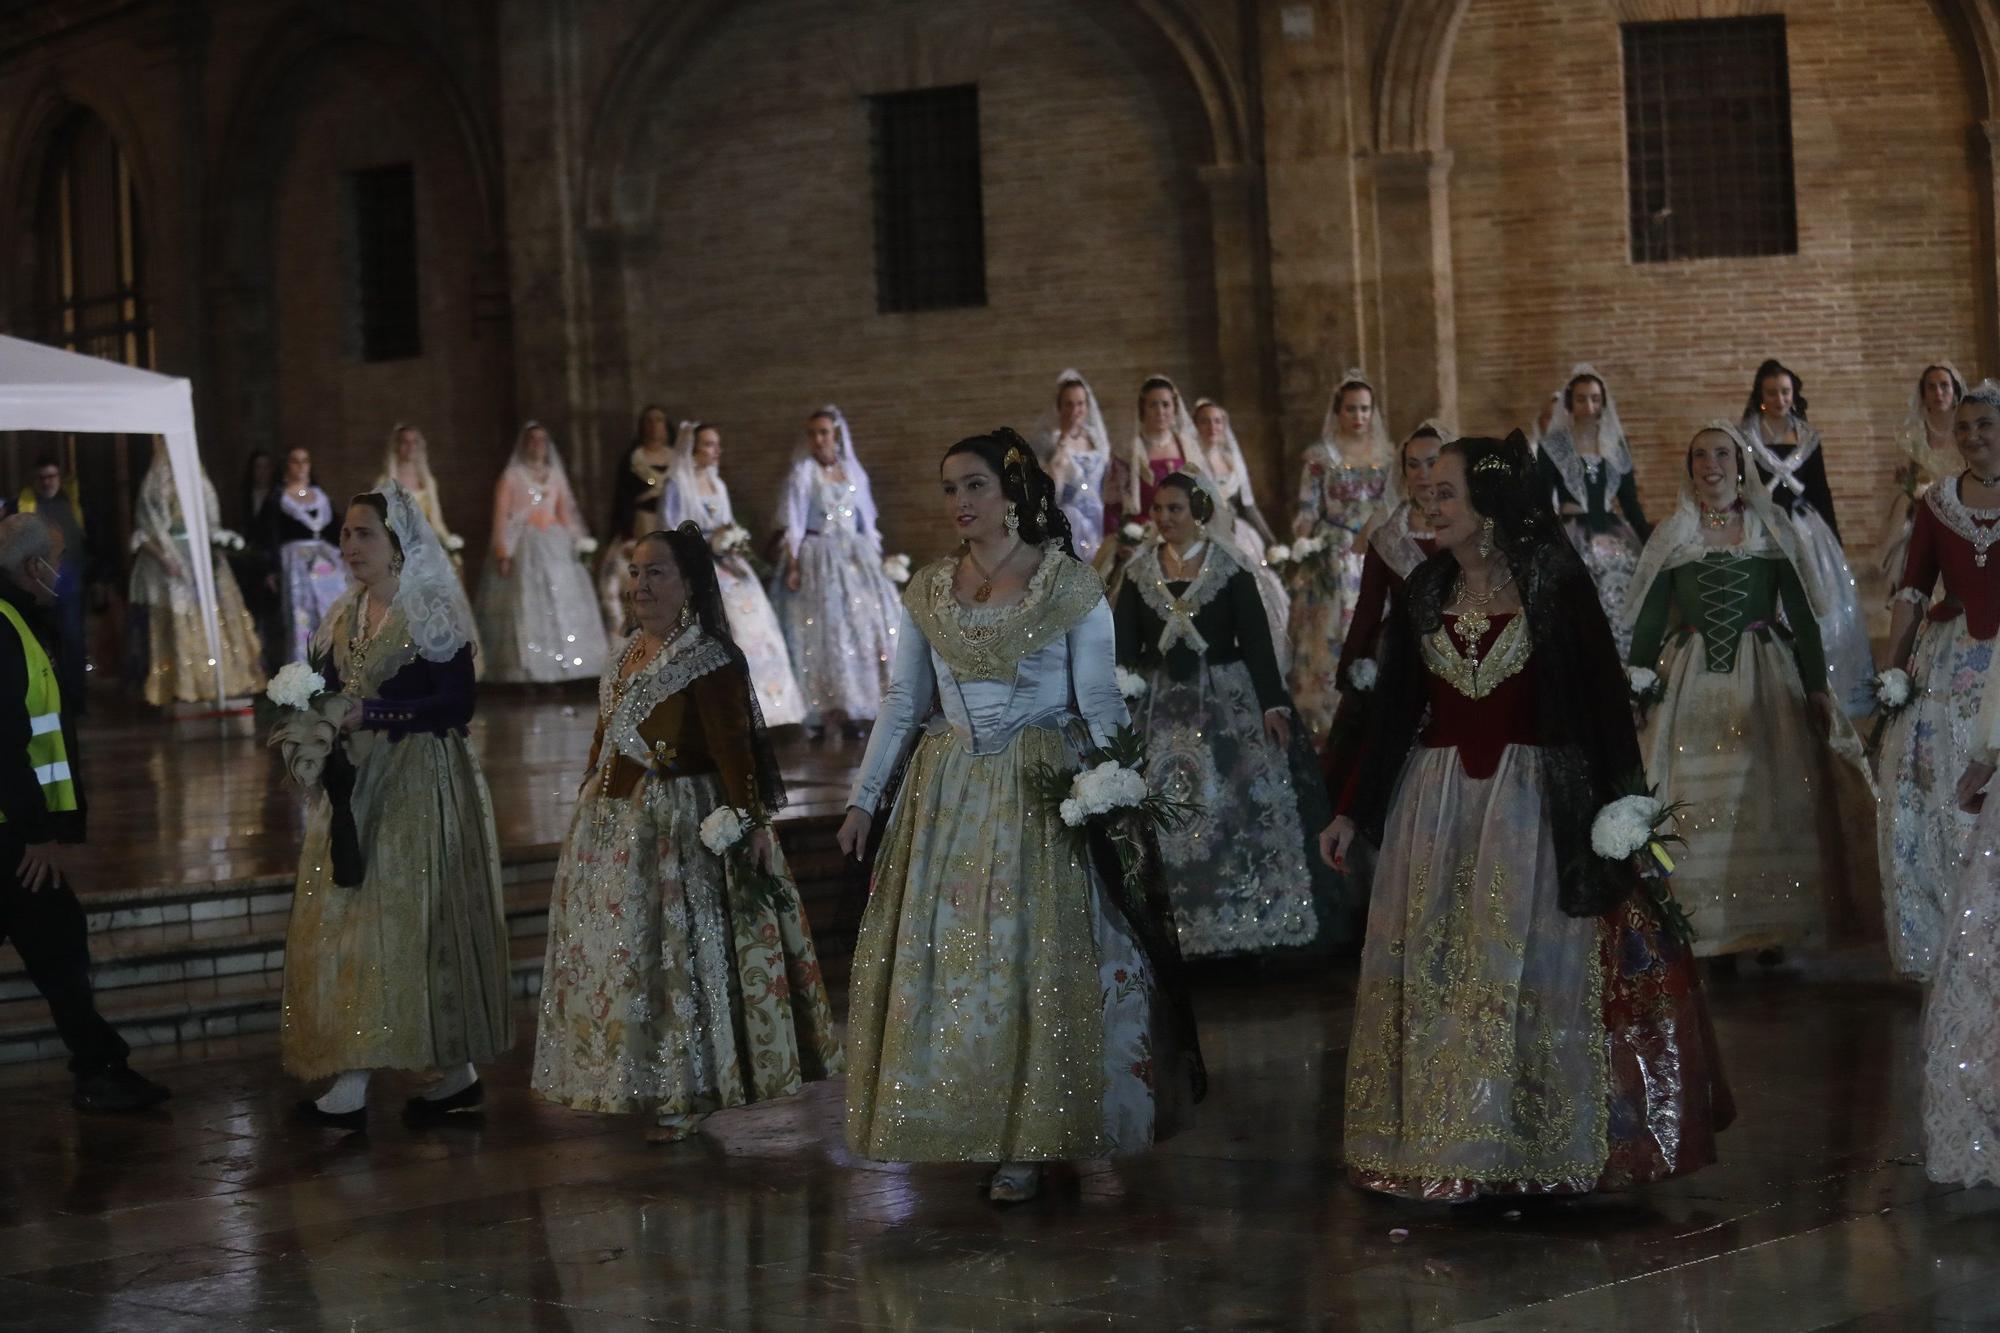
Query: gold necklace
(1716,518)
(362,641)
(984,591)
(1473,624)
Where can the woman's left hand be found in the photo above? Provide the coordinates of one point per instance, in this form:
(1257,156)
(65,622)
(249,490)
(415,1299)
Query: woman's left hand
(1971,786)
(1822,707)
(1278,726)
(764,849)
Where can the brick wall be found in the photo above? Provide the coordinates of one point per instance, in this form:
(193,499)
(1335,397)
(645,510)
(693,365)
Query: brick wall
(1885,278)
(759,301)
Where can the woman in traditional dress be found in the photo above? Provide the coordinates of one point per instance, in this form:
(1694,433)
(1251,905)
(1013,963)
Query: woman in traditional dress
(1793,467)
(408,464)
(1523,1024)
(1075,450)
(1962,1010)
(1219,733)
(179,666)
(408,968)
(837,606)
(1237,521)
(1927,453)
(1780,807)
(537,618)
(311,577)
(1587,462)
(1007,1004)
(1344,486)
(1947,649)
(255,566)
(679,980)
(636,489)
(695,493)
(1164,441)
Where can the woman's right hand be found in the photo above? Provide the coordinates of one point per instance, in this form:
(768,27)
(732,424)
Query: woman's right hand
(792,576)
(173,565)
(1570,509)
(1334,840)
(506,567)
(1970,786)
(853,835)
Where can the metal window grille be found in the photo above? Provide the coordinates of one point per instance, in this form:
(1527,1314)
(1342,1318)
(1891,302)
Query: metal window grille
(383,320)
(930,225)
(91,260)
(1708,134)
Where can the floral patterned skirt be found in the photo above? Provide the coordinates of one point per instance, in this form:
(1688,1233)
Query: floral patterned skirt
(665,989)
(1921,832)
(754,626)
(1245,875)
(1780,819)
(1500,1046)
(999,1009)
(1321,611)
(840,626)
(1612,557)
(311,578)
(178,666)
(1962,1023)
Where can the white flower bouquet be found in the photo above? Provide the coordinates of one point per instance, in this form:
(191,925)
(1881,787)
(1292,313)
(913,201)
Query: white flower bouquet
(1641,828)
(726,832)
(1109,795)
(1131,685)
(224,539)
(729,539)
(1893,693)
(454,543)
(307,734)
(896,569)
(1131,534)
(1363,674)
(1311,557)
(1645,686)
(586,547)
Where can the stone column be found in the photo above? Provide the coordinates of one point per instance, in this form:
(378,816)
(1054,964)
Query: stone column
(1419,375)
(1987,296)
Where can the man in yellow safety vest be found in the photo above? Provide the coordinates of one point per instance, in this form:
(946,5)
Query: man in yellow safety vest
(42,821)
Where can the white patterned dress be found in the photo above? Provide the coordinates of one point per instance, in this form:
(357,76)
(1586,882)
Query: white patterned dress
(752,622)
(841,623)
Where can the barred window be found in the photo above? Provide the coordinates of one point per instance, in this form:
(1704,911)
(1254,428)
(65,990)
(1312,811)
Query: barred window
(382,320)
(91,260)
(930,228)
(1708,134)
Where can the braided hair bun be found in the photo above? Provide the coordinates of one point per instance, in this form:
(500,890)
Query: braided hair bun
(1027,486)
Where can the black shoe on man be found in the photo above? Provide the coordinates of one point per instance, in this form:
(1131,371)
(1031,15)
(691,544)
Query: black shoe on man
(117,1088)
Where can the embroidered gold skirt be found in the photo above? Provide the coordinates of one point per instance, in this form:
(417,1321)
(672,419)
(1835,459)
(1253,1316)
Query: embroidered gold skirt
(665,988)
(1780,824)
(409,970)
(177,661)
(997,1011)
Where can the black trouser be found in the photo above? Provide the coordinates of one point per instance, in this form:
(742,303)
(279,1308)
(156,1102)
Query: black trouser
(48,930)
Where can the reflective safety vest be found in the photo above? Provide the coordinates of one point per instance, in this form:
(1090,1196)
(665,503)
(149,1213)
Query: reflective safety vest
(46,748)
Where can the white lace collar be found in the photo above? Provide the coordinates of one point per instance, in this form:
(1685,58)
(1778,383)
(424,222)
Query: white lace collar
(1980,527)
(1179,611)
(690,656)
(1783,470)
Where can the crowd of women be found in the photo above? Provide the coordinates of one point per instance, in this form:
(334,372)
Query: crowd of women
(1419,725)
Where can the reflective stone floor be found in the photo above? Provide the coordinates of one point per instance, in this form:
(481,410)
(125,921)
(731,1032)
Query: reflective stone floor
(218,1213)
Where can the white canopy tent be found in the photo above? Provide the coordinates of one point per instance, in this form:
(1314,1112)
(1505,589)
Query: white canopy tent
(46,388)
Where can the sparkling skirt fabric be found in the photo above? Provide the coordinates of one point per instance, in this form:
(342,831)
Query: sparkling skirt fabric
(1780,820)
(409,970)
(1612,558)
(1962,1023)
(754,626)
(311,578)
(542,624)
(1501,1047)
(666,987)
(1243,874)
(177,663)
(1850,662)
(841,624)
(998,1009)
(1921,832)
(1321,611)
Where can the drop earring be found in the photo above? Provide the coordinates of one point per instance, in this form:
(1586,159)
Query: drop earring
(396,564)
(1013,517)
(1486,539)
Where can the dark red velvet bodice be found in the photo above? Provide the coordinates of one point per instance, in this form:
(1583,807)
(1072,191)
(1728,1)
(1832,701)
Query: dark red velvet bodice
(1481,728)
(1938,552)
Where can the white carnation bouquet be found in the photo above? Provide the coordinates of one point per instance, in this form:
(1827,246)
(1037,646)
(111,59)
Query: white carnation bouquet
(1645,685)
(454,543)
(726,832)
(1363,674)
(586,547)
(1316,558)
(1893,693)
(1109,795)
(1643,829)
(729,539)
(1131,685)
(226,539)
(295,686)
(307,734)
(1131,534)
(896,568)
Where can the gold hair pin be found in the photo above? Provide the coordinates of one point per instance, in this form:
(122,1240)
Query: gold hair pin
(1013,458)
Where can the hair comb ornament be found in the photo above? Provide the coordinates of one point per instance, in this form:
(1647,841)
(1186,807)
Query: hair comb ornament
(1013,458)
(1492,463)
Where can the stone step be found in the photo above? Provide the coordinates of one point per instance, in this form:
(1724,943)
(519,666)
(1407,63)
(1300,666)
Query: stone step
(192,963)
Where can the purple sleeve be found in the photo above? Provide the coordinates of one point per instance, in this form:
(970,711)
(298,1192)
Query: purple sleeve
(426,696)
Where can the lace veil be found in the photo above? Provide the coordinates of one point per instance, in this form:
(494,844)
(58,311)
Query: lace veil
(1051,420)
(1138,461)
(1914,437)
(1558,443)
(1376,448)
(1678,540)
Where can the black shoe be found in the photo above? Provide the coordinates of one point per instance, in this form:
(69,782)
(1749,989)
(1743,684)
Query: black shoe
(117,1089)
(469,1098)
(308,1111)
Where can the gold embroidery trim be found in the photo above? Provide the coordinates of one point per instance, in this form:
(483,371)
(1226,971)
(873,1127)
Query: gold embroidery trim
(1471,677)
(1062,592)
